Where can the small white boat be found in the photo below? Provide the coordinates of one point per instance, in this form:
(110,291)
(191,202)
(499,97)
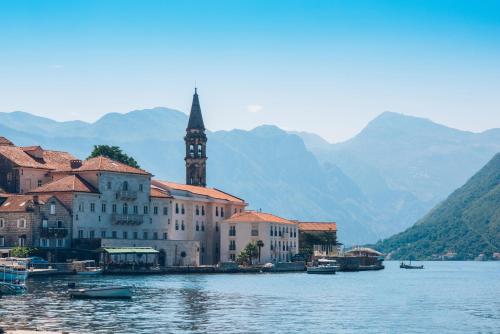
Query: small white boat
(117,292)
(324,266)
(90,271)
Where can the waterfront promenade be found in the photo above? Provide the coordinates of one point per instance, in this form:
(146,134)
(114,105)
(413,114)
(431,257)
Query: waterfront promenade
(439,299)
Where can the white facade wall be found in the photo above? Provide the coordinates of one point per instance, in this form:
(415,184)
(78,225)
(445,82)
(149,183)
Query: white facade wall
(277,248)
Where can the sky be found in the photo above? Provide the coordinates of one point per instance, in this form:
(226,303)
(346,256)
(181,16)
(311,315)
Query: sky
(327,67)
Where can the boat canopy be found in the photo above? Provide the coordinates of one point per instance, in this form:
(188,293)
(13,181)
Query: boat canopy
(326,261)
(129,250)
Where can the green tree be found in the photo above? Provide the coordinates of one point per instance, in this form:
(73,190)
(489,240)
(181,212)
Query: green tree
(248,253)
(260,244)
(20,251)
(115,153)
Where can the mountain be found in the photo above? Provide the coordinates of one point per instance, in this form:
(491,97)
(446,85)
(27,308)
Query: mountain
(466,223)
(296,175)
(406,165)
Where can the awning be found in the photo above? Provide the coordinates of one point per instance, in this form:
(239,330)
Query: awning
(129,250)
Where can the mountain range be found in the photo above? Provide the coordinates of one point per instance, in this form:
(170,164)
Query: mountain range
(374,185)
(462,227)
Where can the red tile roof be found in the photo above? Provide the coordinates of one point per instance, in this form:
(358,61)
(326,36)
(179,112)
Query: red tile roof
(203,191)
(106,164)
(20,203)
(70,183)
(159,193)
(5,141)
(318,227)
(53,160)
(257,217)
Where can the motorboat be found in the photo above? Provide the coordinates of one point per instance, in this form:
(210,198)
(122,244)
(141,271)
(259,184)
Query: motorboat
(86,267)
(12,278)
(324,266)
(90,271)
(112,292)
(409,266)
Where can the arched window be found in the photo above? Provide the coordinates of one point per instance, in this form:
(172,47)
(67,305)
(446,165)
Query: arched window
(191,151)
(125,208)
(125,186)
(200,150)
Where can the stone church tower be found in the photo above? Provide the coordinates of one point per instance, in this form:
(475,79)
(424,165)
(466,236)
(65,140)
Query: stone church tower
(196,145)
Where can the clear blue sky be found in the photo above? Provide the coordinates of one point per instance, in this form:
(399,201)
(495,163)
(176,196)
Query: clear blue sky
(321,66)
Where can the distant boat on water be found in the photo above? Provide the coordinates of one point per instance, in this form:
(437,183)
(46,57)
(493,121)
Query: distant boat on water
(113,292)
(409,266)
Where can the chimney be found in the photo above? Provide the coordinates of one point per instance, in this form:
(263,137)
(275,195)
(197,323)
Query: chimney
(75,163)
(36,199)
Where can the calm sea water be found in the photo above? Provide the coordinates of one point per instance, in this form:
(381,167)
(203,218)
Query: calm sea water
(446,297)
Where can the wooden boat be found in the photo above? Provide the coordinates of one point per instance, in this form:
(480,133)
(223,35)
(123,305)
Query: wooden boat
(409,266)
(324,266)
(114,292)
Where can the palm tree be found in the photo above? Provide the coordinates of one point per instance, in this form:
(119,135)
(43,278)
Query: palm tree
(260,244)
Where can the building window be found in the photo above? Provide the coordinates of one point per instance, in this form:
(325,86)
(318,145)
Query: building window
(155,235)
(76,217)
(202,227)
(125,235)
(103,207)
(165,210)
(182,209)
(255,231)
(176,225)
(176,207)
(146,209)
(21,241)
(222,212)
(136,209)
(113,208)
(182,226)
(125,186)
(52,209)
(136,236)
(91,234)
(21,223)
(165,235)
(108,185)
(202,210)
(216,227)
(145,235)
(197,210)
(80,234)
(113,234)
(232,257)
(81,207)
(217,211)
(271,231)
(39,183)
(191,151)
(141,187)
(103,234)
(92,207)
(155,210)
(200,151)
(2,241)
(60,242)
(2,223)
(232,245)
(43,242)
(125,209)
(232,231)
(197,226)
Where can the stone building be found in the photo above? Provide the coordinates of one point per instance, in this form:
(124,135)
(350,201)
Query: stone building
(41,221)
(196,142)
(279,236)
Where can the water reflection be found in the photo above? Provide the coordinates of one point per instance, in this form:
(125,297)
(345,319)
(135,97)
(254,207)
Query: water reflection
(378,302)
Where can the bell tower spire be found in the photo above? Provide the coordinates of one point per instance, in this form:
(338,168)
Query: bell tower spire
(196,144)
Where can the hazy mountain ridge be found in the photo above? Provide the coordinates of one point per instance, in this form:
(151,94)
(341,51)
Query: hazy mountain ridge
(272,169)
(467,223)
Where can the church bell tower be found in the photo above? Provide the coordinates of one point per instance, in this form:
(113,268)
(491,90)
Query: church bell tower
(196,145)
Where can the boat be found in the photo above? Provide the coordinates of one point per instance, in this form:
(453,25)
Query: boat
(114,292)
(12,278)
(324,266)
(409,266)
(90,271)
(87,267)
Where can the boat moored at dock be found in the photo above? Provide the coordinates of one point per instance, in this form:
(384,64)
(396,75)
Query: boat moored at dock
(324,266)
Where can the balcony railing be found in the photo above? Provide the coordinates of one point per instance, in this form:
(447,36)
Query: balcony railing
(54,232)
(126,195)
(127,219)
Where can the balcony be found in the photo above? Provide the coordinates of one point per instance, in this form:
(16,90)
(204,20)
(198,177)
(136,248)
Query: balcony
(126,195)
(54,232)
(127,219)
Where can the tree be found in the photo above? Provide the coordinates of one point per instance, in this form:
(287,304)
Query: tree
(115,153)
(20,252)
(260,244)
(247,254)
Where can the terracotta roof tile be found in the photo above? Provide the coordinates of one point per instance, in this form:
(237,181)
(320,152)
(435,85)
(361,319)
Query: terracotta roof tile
(203,191)
(102,163)
(315,226)
(159,193)
(20,203)
(257,217)
(70,183)
(53,160)
(5,141)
